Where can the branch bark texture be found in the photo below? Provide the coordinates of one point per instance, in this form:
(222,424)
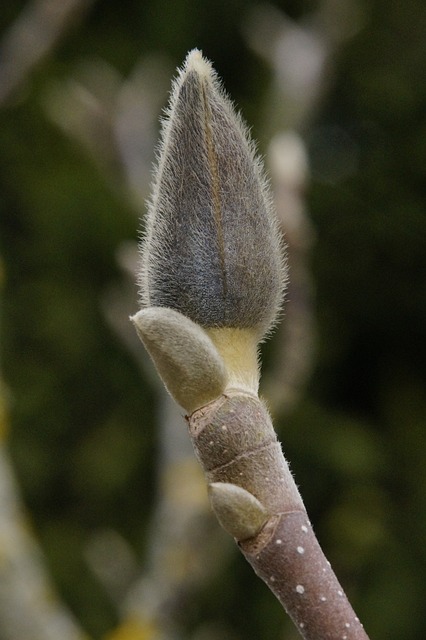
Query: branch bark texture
(236,443)
(212,278)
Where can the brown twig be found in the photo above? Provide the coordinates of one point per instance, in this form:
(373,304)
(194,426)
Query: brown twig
(202,337)
(236,444)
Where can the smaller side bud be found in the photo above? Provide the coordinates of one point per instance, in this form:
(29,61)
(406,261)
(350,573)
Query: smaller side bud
(184,355)
(239,512)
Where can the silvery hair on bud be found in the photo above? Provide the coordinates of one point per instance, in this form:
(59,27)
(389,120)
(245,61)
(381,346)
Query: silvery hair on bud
(212,249)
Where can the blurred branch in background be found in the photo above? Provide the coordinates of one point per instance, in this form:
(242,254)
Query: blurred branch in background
(114,119)
(293,358)
(32,37)
(29,607)
(300,57)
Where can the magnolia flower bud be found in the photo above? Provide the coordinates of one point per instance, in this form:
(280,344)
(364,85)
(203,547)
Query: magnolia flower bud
(212,249)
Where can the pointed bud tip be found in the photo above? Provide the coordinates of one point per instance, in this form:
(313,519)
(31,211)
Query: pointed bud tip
(195,61)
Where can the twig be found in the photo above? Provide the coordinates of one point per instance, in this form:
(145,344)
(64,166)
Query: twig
(211,282)
(236,444)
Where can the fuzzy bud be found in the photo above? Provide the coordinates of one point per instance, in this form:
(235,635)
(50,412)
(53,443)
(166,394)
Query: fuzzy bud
(185,357)
(239,512)
(212,249)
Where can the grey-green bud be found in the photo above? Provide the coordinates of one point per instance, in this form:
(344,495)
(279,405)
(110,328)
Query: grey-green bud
(239,512)
(212,249)
(184,355)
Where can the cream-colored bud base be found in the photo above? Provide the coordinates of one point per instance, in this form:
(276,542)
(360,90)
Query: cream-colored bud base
(238,348)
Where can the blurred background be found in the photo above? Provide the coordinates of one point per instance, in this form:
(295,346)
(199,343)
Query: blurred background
(105,532)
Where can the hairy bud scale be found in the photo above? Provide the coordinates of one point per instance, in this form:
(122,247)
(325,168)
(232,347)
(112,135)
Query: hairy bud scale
(212,250)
